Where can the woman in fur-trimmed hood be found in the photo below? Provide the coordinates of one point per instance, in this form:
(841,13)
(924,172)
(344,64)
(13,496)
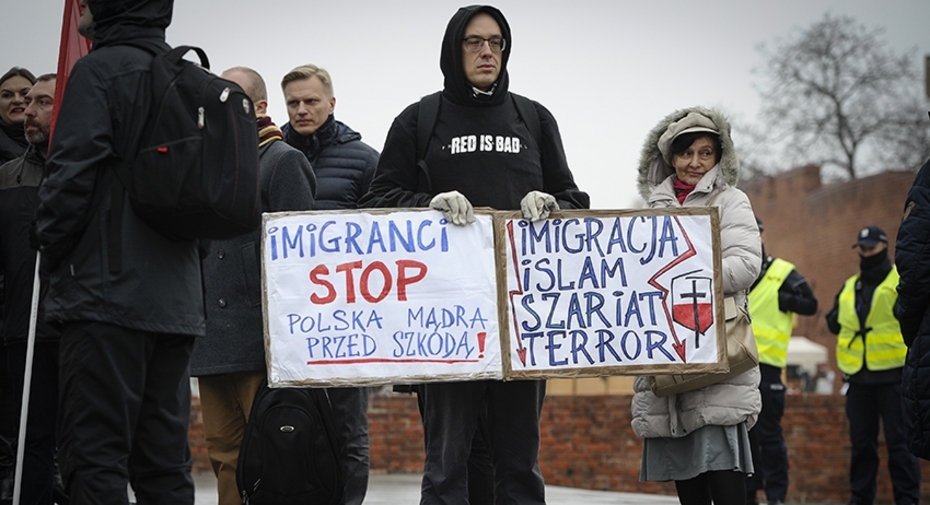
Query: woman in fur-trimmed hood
(700,439)
(660,186)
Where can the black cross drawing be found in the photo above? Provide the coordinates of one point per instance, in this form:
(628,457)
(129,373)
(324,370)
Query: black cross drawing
(694,295)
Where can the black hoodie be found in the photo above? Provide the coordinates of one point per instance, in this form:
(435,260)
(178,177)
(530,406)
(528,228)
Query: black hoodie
(479,145)
(100,121)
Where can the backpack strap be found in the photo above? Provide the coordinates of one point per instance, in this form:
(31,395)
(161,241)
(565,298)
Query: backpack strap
(427,116)
(426,121)
(527,112)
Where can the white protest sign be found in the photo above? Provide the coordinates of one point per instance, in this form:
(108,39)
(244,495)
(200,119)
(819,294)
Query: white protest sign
(361,298)
(591,293)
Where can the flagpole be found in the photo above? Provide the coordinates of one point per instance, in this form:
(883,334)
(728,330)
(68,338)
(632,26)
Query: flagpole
(27,383)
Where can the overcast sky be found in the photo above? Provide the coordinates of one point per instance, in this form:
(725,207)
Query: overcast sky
(608,70)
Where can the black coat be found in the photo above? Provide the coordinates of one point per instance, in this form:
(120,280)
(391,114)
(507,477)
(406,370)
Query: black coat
(100,122)
(912,256)
(232,274)
(343,164)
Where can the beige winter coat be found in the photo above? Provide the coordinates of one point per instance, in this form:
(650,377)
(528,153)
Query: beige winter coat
(737,399)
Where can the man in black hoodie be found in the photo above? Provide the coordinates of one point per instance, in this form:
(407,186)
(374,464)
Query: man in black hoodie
(507,169)
(128,300)
(870,352)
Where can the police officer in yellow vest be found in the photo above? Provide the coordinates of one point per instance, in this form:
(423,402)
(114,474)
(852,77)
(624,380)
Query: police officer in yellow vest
(870,352)
(778,294)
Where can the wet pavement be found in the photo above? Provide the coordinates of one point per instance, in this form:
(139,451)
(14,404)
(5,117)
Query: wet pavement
(404,489)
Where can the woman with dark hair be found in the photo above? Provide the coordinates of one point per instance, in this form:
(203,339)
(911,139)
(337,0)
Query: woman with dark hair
(700,438)
(13,88)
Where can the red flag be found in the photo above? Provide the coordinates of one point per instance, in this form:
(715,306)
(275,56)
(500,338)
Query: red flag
(73,46)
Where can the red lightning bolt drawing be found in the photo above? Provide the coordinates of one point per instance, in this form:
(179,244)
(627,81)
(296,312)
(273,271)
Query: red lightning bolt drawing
(521,351)
(679,346)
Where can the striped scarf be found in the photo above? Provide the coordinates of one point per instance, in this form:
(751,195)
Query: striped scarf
(267,131)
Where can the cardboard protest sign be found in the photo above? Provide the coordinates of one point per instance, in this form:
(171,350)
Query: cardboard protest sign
(592,293)
(373,297)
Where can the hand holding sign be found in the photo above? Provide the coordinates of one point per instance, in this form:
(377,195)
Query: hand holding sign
(537,205)
(454,206)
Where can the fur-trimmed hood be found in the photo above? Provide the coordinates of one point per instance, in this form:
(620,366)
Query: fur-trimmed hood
(653,169)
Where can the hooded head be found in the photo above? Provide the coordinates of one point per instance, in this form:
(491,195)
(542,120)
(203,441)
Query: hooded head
(119,20)
(655,160)
(456,83)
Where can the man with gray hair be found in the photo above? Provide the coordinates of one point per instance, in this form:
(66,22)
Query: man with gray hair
(344,165)
(230,360)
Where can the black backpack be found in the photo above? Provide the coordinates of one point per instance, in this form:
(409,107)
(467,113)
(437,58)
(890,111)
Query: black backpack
(290,451)
(196,174)
(428,114)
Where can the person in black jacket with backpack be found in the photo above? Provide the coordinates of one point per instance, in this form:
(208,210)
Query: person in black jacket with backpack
(127,299)
(507,169)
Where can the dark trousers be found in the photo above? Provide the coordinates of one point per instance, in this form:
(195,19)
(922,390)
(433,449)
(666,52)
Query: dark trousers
(480,468)
(480,464)
(767,442)
(124,415)
(350,412)
(866,404)
(452,413)
(38,478)
(9,413)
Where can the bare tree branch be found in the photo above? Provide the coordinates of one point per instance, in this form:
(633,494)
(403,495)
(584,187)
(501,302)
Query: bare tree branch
(841,98)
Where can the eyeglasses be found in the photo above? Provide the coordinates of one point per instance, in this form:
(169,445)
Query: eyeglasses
(475,43)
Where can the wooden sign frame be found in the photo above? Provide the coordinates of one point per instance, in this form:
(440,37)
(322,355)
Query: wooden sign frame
(509,322)
(282,361)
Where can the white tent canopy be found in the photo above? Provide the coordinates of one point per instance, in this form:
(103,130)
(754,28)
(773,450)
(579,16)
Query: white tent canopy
(806,354)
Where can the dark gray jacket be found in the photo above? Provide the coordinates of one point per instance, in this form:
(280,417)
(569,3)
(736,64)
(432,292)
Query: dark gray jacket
(343,164)
(19,184)
(12,141)
(232,273)
(158,285)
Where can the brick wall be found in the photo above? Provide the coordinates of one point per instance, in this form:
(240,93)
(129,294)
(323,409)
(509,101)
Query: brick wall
(195,436)
(587,443)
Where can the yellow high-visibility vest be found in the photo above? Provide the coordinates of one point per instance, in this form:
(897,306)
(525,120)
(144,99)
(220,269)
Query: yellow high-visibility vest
(771,326)
(882,347)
